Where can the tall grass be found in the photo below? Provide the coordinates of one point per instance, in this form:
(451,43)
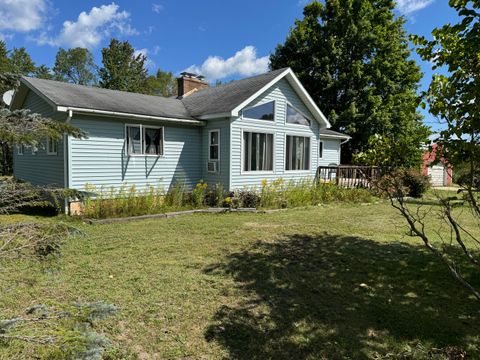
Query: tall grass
(277,194)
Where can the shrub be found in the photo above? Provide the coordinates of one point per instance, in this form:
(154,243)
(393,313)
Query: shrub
(246,199)
(416,183)
(216,196)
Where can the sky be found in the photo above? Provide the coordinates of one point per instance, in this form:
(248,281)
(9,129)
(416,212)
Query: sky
(220,39)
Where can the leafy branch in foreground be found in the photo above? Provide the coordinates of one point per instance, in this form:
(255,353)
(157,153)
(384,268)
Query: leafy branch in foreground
(25,127)
(62,331)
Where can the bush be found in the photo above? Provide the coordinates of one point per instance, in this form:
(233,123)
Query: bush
(404,182)
(416,183)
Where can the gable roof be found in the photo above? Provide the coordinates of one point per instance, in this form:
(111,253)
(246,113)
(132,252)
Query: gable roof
(224,98)
(222,101)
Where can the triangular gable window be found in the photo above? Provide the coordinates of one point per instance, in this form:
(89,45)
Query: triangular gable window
(295,117)
(261,112)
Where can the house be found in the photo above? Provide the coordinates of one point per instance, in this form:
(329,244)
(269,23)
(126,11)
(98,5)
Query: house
(237,134)
(434,166)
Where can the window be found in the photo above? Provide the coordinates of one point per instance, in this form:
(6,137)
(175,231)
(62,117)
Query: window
(257,151)
(297,155)
(144,140)
(261,112)
(20,149)
(214,145)
(52,146)
(295,117)
(320,149)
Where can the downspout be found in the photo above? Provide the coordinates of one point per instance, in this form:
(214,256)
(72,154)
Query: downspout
(65,162)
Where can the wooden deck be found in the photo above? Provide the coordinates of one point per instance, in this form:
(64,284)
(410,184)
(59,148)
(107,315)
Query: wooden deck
(349,176)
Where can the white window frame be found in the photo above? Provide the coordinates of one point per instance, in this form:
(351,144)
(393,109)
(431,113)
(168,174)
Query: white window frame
(310,155)
(260,120)
(321,145)
(288,103)
(210,144)
(20,149)
(142,144)
(242,162)
(52,141)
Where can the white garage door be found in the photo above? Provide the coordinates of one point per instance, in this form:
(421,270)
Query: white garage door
(437,174)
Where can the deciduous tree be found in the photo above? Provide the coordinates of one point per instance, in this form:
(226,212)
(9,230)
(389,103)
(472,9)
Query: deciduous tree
(353,58)
(75,66)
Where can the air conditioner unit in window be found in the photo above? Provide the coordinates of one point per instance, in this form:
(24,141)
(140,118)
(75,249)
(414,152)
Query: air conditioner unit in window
(212,166)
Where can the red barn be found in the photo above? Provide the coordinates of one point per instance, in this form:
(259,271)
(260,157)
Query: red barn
(438,169)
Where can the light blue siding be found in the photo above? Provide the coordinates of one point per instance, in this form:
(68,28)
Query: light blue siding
(331,152)
(100,160)
(281,92)
(223,174)
(40,168)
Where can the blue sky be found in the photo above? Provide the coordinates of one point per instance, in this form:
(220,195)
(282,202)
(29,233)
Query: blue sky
(221,39)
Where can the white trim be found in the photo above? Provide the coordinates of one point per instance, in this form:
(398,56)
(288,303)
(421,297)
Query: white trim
(142,127)
(301,92)
(310,163)
(242,157)
(50,140)
(129,115)
(262,121)
(20,149)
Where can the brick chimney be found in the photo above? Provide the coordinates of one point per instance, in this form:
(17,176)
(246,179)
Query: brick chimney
(188,82)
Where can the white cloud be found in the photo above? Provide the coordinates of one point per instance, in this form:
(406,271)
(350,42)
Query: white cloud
(157,8)
(92,27)
(407,7)
(149,63)
(22,15)
(245,62)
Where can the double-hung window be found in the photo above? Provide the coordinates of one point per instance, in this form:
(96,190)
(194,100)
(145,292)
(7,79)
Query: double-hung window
(257,151)
(52,146)
(214,145)
(297,155)
(144,140)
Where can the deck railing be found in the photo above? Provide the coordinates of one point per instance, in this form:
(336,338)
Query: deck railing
(349,176)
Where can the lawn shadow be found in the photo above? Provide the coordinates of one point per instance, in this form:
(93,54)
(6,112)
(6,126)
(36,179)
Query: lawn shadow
(339,297)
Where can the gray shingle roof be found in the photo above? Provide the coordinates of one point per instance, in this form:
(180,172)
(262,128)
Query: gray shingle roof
(65,94)
(224,98)
(329,132)
(214,100)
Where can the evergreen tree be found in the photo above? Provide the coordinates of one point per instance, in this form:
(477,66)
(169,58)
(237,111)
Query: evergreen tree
(353,58)
(43,72)
(163,83)
(122,70)
(5,65)
(75,66)
(21,62)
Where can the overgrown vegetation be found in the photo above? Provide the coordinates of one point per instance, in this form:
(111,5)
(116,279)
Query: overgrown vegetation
(278,194)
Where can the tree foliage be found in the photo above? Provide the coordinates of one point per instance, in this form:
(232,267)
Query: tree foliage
(21,62)
(75,66)
(163,83)
(352,56)
(122,69)
(453,97)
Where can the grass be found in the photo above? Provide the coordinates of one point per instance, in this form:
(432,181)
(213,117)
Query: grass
(325,282)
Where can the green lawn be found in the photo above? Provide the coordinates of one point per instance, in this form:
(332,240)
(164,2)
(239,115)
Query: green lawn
(333,282)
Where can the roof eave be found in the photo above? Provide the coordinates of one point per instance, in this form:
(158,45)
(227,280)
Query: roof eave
(107,113)
(336,136)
